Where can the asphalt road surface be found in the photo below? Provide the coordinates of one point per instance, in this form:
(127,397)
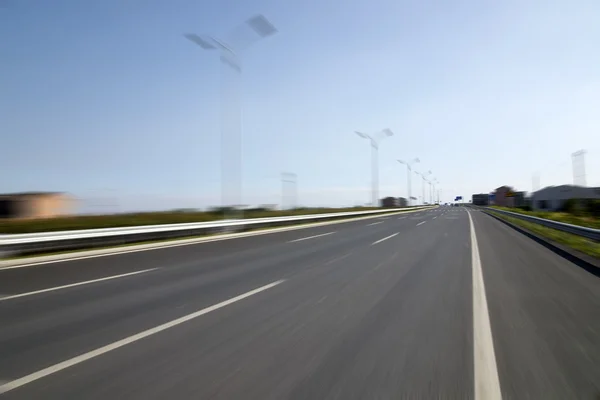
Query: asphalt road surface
(447,303)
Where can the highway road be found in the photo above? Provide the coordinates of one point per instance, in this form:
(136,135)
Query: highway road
(446,303)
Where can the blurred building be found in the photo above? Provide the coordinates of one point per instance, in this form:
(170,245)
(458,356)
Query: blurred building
(503,196)
(552,198)
(389,202)
(519,199)
(35,205)
(481,199)
(393,202)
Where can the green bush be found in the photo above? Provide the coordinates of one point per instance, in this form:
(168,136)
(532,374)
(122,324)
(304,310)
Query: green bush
(582,207)
(582,218)
(592,206)
(570,206)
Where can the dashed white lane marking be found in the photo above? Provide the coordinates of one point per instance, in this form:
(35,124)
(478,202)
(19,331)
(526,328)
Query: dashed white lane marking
(375,223)
(487,383)
(435,217)
(401,217)
(421,223)
(338,259)
(123,342)
(52,289)
(311,237)
(385,238)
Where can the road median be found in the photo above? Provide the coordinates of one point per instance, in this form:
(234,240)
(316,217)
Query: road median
(158,237)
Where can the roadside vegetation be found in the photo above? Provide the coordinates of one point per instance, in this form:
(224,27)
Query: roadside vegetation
(576,212)
(152,218)
(579,243)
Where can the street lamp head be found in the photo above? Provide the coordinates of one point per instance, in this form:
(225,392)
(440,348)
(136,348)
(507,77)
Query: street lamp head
(402,162)
(362,135)
(388,132)
(205,43)
(261,26)
(416,160)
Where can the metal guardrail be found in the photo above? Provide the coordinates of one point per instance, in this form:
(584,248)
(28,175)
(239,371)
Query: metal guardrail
(589,233)
(68,240)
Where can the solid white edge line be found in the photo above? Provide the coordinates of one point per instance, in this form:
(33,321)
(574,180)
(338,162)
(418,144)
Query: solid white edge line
(385,238)
(16,296)
(375,223)
(120,343)
(311,237)
(421,223)
(487,383)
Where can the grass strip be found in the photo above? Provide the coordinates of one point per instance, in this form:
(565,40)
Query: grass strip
(587,221)
(579,243)
(197,236)
(154,218)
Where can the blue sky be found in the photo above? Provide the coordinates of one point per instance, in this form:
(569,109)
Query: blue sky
(107,100)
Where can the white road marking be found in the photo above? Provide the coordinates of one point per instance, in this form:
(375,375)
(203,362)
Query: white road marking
(52,289)
(128,340)
(421,223)
(435,217)
(401,217)
(338,259)
(385,238)
(375,223)
(311,237)
(487,383)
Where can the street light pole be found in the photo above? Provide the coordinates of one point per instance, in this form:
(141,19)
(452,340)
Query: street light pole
(424,180)
(429,182)
(428,174)
(432,190)
(408,176)
(375,139)
(288,177)
(422,186)
(231,132)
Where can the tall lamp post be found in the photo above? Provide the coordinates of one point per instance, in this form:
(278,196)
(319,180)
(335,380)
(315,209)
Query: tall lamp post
(435,192)
(422,187)
(424,180)
(290,180)
(432,189)
(231,130)
(423,175)
(409,165)
(428,174)
(375,139)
